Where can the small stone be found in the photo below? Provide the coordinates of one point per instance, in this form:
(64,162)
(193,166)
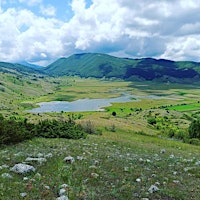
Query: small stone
(62,192)
(138,180)
(126,169)
(162,151)
(92,167)
(153,189)
(64,185)
(94,175)
(47,187)
(79,157)
(49,155)
(95,162)
(63,198)
(18,154)
(69,159)
(176,181)
(141,160)
(6,175)
(24,194)
(39,155)
(157,183)
(172,156)
(4,167)
(25,179)
(197,163)
(40,160)
(22,168)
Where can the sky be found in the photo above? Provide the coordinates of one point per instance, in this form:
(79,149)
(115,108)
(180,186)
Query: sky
(41,31)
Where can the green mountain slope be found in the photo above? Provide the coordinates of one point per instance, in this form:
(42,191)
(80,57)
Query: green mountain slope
(17,68)
(90,65)
(102,65)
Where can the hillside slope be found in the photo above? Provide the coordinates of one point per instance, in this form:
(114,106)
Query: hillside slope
(17,68)
(18,84)
(102,65)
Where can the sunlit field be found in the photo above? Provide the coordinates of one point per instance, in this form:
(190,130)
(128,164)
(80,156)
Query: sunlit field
(124,157)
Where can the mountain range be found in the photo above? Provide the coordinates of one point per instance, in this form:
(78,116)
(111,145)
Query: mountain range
(105,66)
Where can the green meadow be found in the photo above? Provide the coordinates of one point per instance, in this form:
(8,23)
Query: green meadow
(187,107)
(131,146)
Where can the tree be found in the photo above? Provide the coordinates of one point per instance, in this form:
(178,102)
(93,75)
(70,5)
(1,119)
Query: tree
(114,113)
(194,129)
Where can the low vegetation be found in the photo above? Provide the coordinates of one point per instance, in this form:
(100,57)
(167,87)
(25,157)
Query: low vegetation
(13,131)
(116,165)
(120,153)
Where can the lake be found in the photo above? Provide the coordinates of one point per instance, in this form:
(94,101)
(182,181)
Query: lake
(80,105)
(86,104)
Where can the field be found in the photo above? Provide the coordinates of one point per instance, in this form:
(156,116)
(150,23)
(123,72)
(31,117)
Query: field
(124,161)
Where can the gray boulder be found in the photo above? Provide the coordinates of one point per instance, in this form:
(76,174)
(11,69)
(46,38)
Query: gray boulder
(22,168)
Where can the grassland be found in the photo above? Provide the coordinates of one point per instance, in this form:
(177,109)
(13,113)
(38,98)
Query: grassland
(186,107)
(123,162)
(120,165)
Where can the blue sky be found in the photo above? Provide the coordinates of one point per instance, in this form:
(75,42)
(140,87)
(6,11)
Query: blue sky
(41,31)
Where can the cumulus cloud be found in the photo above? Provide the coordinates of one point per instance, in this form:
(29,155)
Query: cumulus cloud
(183,48)
(157,28)
(48,10)
(39,38)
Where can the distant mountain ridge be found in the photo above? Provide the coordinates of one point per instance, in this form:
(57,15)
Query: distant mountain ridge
(103,65)
(27,64)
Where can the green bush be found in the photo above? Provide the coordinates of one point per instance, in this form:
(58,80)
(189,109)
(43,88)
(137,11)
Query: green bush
(13,131)
(194,141)
(59,129)
(194,129)
(151,120)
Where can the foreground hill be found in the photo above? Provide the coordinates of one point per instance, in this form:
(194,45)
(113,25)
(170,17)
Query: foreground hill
(102,65)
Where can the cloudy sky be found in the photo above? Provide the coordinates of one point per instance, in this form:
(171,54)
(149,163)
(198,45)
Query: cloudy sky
(40,31)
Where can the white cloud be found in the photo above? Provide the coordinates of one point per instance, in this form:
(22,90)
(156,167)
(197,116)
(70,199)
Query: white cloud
(48,10)
(183,48)
(157,28)
(41,36)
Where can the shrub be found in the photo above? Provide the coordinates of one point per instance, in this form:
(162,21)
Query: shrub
(13,131)
(89,127)
(59,129)
(151,120)
(194,141)
(114,113)
(194,129)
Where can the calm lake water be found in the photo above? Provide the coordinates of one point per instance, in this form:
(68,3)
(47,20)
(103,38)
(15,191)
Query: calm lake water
(85,104)
(79,105)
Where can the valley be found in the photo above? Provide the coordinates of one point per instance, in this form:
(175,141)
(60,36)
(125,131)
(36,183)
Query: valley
(132,146)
